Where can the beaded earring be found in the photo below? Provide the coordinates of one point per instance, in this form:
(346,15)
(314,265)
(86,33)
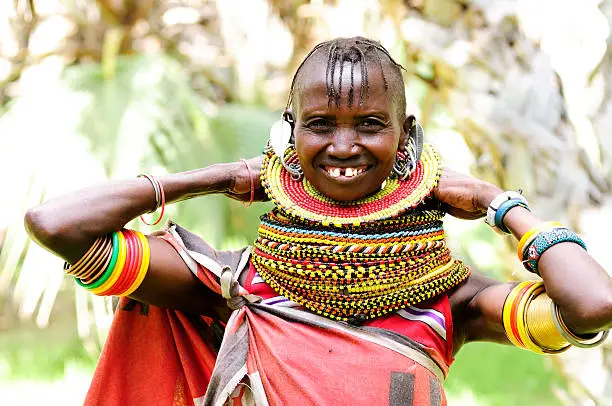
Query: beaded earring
(282,143)
(408,155)
(417,135)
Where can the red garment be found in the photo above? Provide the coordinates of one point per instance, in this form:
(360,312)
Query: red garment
(436,312)
(272,353)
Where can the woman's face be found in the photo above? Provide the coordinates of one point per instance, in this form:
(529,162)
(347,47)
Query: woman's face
(346,152)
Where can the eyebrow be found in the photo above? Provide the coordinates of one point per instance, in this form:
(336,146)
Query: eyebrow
(379,114)
(376,113)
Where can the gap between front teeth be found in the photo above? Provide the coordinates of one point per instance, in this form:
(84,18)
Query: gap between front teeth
(348,172)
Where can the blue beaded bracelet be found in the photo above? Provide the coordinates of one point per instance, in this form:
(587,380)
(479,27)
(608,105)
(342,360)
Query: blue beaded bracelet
(546,240)
(503,209)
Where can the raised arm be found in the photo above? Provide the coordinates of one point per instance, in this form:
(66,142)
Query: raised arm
(574,280)
(69,225)
(576,283)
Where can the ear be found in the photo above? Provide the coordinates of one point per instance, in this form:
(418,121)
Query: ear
(405,135)
(415,132)
(288,117)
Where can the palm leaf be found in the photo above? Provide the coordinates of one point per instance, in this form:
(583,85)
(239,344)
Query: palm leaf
(89,128)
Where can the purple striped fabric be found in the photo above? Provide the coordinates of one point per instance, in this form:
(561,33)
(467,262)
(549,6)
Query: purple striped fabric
(275,300)
(431,317)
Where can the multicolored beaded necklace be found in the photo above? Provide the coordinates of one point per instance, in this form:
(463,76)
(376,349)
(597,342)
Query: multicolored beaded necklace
(360,259)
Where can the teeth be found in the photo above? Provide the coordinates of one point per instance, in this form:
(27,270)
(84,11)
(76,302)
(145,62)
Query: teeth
(348,172)
(334,172)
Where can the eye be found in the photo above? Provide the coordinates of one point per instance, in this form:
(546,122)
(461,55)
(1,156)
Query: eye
(371,125)
(320,125)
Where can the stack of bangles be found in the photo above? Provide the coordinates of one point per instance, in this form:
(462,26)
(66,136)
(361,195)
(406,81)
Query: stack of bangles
(539,239)
(530,318)
(115,265)
(532,321)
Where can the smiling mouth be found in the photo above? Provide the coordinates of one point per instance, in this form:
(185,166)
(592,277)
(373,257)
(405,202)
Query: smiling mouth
(345,174)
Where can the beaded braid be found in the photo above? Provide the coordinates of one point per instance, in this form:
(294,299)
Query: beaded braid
(360,259)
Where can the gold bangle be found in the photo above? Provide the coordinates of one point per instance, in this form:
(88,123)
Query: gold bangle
(573,338)
(541,326)
(512,317)
(521,317)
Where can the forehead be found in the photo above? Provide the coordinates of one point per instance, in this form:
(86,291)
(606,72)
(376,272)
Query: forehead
(314,81)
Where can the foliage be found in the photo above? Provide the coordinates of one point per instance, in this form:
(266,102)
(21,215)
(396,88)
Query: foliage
(145,118)
(509,377)
(528,102)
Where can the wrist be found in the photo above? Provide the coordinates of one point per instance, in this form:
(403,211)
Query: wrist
(235,174)
(216,178)
(500,206)
(520,220)
(486,195)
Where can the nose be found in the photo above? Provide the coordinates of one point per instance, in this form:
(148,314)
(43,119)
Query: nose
(343,145)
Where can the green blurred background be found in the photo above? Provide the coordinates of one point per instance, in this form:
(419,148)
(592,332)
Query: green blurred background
(515,92)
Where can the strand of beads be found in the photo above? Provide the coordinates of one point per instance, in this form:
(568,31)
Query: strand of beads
(301,200)
(366,270)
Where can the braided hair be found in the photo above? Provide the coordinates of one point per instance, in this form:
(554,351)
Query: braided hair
(355,51)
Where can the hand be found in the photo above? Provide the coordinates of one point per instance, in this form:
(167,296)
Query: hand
(240,188)
(464,197)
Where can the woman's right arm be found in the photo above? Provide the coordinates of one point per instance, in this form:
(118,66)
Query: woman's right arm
(69,225)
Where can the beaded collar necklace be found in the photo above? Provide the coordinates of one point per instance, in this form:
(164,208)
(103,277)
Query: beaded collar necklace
(355,260)
(300,199)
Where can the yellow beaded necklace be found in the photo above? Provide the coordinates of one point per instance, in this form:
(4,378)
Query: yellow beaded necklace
(355,260)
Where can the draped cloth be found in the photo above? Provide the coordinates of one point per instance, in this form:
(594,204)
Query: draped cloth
(264,355)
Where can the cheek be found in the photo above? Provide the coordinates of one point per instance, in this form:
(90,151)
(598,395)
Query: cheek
(384,148)
(307,148)
(302,149)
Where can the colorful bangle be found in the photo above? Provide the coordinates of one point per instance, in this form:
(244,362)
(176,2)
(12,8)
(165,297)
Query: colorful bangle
(132,257)
(144,265)
(530,235)
(510,311)
(124,268)
(117,269)
(516,316)
(503,209)
(132,273)
(135,271)
(131,261)
(571,337)
(521,325)
(545,240)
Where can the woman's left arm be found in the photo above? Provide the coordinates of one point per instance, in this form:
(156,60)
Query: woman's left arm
(579,286)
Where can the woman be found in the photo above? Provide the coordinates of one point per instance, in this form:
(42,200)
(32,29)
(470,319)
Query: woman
(350,295)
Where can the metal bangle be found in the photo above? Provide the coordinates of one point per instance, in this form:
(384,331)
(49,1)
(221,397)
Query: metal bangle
(155,184)
(571,337)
